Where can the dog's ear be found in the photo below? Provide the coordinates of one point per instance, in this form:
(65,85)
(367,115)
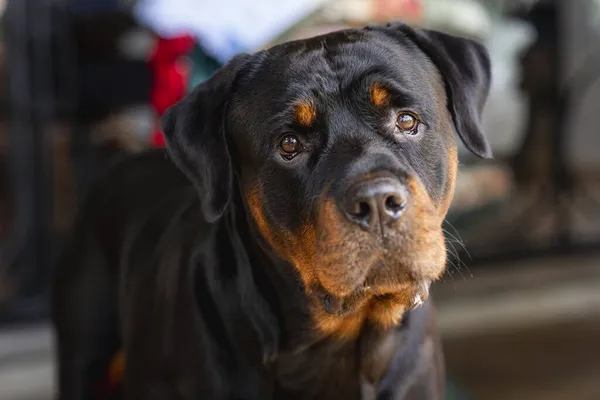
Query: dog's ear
(194,129)
(465,67)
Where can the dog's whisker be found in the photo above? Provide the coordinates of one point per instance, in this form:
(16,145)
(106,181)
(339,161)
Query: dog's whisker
(452,265)
(459,263)
(459,241)
(459,260)
(458,238)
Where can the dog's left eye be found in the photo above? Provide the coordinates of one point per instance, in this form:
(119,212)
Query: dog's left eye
(290,146)
(407,123)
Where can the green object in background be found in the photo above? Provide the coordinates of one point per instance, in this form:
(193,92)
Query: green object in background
(453,392)
(202,66)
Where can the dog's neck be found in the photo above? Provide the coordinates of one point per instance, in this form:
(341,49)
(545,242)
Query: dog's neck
(278,284)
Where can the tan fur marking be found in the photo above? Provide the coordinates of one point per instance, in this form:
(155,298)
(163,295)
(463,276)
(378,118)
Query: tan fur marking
(342,329)
(116,369)
(297,248)
(452,174)
(429,235)
(306,113)
(380,95)
(388,312)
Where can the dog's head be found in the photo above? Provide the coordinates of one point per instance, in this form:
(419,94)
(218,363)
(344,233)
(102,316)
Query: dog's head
(343,147)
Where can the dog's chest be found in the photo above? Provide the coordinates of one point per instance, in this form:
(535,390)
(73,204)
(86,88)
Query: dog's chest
(318,375)
(351,371)
(330,372)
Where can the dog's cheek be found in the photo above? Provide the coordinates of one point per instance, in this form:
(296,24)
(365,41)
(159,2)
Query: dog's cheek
(298,248)
(427,247)
(451,171)
(253,199)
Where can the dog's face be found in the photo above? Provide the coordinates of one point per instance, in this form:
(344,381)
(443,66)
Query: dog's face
(343,148)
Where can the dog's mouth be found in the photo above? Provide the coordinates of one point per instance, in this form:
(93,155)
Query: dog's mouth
(411,294)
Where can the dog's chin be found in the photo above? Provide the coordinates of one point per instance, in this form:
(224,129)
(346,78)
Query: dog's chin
(402,296)
(378,298)
(391,280)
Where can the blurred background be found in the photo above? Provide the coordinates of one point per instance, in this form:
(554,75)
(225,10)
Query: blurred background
(83,82)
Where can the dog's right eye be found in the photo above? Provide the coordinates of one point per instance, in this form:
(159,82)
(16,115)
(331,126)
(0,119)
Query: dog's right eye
(289,147)
(407,123)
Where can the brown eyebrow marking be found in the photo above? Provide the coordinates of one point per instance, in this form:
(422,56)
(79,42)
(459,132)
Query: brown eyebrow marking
(306,112)
(380,95)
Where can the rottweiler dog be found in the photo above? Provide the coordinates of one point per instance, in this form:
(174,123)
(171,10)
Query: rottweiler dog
(284,244)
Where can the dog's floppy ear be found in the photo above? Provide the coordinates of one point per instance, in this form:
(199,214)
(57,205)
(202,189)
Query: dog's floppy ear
(195,133)
(465,67)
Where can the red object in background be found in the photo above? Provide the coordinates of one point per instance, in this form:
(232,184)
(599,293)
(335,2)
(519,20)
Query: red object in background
(384,10)
(171,75)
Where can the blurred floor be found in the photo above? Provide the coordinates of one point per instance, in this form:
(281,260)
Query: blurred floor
(525,331)
(558,361)
(528,330)
(26,371)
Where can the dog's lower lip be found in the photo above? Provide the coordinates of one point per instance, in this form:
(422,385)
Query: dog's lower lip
(335,305)
(341,306)
(383,297)
(329,303)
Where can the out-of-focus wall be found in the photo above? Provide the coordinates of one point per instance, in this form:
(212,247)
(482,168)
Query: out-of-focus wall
(505,114)
(582,40)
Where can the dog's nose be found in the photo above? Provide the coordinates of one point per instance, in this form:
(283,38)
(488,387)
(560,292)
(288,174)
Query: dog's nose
(377,202)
